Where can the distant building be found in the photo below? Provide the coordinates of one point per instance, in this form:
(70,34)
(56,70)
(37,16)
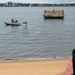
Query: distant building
(10,4)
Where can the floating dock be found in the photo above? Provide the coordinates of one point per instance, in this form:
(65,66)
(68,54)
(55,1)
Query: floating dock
(53,14)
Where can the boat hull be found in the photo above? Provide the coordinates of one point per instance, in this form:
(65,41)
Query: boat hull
(13,24)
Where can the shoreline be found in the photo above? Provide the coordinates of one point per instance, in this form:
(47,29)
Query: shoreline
(34,59)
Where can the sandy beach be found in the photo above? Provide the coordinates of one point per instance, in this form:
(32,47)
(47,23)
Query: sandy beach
(33,67)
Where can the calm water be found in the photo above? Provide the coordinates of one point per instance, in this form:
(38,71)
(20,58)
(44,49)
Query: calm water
(42,38)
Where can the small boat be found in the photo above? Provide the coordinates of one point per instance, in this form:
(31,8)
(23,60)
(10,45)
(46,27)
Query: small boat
(16,24)
(13,24)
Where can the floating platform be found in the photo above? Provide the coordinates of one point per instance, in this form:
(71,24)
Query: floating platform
(53,14)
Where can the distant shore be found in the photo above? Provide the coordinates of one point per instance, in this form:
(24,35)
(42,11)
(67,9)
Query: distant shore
(35,4)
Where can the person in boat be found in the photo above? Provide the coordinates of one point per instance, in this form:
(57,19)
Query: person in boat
(12,20)
(16,21)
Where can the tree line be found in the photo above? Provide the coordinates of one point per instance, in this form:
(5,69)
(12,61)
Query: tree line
(36,5)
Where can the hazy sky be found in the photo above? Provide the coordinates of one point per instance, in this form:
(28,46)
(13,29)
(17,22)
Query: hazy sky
(40,1)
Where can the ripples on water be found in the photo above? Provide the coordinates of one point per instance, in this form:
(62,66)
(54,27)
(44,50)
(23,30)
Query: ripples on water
(42,38)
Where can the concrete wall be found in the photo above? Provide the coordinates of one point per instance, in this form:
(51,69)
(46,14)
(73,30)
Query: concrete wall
(54,13)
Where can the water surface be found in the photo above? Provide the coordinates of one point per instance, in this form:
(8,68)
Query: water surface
(42,38)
